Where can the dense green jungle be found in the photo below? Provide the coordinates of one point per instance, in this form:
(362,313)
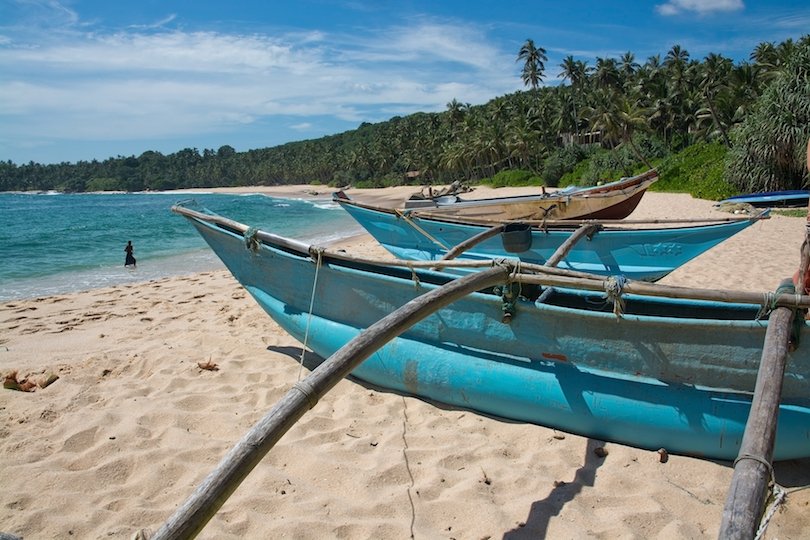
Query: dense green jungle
(712,128)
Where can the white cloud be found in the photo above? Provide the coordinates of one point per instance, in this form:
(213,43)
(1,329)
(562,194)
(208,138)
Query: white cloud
(702,7)
(139,84)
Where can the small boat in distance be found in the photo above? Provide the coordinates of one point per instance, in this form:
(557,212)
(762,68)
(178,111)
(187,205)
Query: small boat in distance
(615,200)
(650,371)
(794,198)
(646,254)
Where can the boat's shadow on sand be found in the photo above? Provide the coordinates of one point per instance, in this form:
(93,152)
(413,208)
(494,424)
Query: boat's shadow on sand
(788,474)
(542,511)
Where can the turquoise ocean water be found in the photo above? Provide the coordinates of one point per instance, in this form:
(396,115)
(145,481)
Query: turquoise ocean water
(60,243)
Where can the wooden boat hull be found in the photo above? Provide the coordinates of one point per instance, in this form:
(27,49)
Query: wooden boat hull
(642,254)
(681,382)
(615,200)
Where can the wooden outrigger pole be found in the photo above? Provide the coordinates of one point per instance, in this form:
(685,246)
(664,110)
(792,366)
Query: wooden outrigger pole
(753,468)
(209,496)
(586,229)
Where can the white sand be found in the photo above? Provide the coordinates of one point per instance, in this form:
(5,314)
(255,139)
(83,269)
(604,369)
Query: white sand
(133,425)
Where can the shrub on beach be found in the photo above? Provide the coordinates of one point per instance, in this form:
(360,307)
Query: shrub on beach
(698,170)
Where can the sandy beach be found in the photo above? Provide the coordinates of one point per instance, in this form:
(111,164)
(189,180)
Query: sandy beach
(133,424)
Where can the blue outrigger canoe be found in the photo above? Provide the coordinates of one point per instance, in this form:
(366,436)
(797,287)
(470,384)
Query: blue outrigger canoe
(637,253)
(668,373)
(793,198)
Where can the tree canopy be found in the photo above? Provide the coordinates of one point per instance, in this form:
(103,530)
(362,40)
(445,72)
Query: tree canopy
(758,109)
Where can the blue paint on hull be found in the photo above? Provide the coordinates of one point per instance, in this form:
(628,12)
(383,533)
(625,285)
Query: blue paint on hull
(772,199)
(680,382)
(641,254)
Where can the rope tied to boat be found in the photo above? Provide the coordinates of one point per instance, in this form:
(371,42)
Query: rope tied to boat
(614,287)
(770,302)
(510,291)
(405,215)
(318,251)
(414,277)
(251,237)
(308,391)
(778,495)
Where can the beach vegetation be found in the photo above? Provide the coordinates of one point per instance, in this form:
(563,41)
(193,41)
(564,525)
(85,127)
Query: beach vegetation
(102,184)
(514,177)
(769,149)
(698,170)
(600,121)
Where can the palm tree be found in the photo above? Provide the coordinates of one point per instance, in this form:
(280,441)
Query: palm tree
(456,111)
(628,66)
(575,71)
(715,72)
(618,118)
(677,58)
(607,73)
(534,59)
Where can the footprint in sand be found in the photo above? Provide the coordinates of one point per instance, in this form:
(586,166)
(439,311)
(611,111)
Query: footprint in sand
(80,441)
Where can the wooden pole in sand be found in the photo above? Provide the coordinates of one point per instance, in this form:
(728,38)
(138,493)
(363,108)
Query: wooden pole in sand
(209,496)
(748,493)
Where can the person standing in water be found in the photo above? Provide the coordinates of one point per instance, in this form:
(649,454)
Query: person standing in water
(130,260)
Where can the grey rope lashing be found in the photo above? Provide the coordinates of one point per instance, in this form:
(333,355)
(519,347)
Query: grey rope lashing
(759,459)
(509,295)
(319,252)
(252,241)
(614,286)
(414,277)
(306,389)
(769,299)
(778,493)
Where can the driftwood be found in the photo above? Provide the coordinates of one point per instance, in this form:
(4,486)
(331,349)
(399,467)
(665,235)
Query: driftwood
(209,496)
(427,192)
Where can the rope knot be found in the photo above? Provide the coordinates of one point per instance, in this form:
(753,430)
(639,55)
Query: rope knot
(251,237)
(614,286)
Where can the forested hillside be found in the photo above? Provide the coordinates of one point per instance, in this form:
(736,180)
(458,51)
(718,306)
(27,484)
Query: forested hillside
(758,110)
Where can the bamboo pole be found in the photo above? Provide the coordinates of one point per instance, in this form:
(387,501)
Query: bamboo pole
(209,496)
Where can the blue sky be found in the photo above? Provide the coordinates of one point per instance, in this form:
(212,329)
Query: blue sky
(83,80)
